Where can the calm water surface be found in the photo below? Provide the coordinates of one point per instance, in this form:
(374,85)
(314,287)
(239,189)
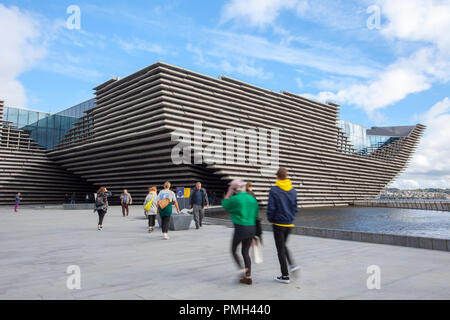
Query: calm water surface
(422,223)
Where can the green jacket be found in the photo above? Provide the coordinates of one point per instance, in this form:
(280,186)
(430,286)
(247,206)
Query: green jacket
(243,208)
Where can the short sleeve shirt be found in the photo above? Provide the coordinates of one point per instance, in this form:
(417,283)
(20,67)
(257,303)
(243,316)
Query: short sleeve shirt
(167,194)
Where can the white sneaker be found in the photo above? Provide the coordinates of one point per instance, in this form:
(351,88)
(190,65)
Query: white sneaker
(166,237)
(282,279)
(294,268)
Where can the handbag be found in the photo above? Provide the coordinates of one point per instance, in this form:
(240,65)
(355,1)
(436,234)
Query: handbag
(164,203)
(149,204)
(258,250)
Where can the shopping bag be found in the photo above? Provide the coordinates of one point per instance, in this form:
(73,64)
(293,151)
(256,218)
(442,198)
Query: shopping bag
(258,250)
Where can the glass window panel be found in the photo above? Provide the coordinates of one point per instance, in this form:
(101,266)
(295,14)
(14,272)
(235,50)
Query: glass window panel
(42,136)
(13,115)
(33,117)
(42,115)
(43,123)
(23,118)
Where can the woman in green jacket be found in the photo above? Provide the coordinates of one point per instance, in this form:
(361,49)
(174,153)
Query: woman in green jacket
(244,212)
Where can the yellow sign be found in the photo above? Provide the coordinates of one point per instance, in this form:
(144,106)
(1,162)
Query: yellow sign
(187,192)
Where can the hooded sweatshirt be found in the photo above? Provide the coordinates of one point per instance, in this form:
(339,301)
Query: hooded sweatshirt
(282,207)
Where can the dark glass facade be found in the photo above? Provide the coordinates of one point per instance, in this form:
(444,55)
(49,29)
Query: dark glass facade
(78,110)
(361,139)
(45,128)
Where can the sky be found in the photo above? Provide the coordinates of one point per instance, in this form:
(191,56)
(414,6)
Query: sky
(385,62)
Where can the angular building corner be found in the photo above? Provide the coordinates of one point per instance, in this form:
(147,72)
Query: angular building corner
(127,140)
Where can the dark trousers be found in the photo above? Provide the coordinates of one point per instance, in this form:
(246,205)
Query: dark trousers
(165,224)
(245,248)
(125,207)
(281,234)
(101,215)
(199,214)
(151,220)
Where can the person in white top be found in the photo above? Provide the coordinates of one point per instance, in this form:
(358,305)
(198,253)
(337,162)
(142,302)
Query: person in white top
(165,199)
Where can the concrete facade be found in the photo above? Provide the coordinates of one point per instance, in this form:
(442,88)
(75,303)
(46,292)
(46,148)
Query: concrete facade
(152,105)
(127,140)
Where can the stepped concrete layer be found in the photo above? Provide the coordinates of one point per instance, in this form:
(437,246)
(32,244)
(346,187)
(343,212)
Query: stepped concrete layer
(125,262)
(129,139)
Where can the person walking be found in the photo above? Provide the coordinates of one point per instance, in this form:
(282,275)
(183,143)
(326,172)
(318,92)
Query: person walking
(150,208)
(17,201)
(198,201)
(244,212)
(125,201)
(166,198)
(73,198)
(249,189)
(212,199)
(101,205)
(281,211)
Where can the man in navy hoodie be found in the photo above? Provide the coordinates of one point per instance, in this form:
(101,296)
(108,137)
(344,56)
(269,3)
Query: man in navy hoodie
(281,211)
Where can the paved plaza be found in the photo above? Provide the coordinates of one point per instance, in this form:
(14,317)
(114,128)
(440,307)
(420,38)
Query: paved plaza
(125,262)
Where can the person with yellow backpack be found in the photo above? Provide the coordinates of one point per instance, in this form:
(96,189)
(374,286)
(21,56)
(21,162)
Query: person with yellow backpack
(150,208)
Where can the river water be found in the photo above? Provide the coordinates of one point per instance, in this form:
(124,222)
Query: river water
(413,222)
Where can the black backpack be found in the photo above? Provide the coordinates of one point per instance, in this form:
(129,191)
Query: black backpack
(99,203)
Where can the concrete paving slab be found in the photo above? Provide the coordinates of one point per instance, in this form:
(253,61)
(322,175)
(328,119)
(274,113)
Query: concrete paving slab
(125,262)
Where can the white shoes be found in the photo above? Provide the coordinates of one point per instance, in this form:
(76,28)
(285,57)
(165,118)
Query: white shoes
(282,279)
(294,268)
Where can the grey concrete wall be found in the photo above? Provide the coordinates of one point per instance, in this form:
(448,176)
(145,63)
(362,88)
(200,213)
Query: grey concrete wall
(429,205)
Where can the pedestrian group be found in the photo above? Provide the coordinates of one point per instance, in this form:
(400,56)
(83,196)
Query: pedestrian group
(240,201)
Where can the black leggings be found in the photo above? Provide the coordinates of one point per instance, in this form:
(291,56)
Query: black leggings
(281,234)
(246,243)
(165,224)
(151,220)
(101,215)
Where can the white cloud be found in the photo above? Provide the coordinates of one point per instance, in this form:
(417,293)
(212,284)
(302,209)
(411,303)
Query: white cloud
(430,166)
(228,64)
(418,20)
(425,21)
(256,12)
(336,14)
(136,44)
(21,49)
(405,76)
(260,48)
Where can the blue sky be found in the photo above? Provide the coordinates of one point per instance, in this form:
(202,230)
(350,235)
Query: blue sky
(397,74)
